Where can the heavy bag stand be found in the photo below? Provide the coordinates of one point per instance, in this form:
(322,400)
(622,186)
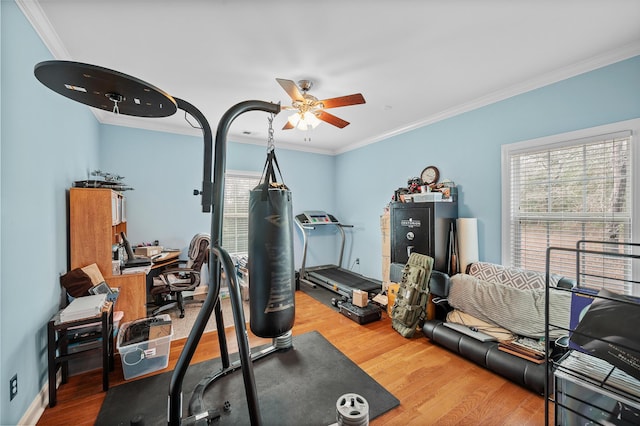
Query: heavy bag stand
(120,93)
(198,414)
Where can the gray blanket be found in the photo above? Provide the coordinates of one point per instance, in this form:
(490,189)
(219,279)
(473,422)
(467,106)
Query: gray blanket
(519,311)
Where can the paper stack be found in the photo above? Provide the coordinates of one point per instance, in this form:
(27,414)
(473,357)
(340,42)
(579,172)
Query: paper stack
(136,270)
(83,307)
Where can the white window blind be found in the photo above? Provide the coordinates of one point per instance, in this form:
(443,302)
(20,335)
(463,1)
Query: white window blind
(235,226)
(570,191)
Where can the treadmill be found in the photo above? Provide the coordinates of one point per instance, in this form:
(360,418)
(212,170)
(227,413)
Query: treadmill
(332,277)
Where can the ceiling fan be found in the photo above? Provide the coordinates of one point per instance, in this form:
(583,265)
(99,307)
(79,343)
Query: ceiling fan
(309,110)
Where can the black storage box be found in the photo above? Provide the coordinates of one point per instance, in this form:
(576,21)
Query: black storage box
(360,315)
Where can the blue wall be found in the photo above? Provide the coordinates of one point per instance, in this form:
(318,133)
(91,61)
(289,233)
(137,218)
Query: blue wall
(165,168)
(467,150)
(357,185)
(47,142)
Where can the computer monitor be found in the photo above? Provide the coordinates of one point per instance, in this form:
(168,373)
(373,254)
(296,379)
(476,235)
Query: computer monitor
(131,258)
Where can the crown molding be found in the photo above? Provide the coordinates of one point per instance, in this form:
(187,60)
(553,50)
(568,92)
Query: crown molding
(581,67)
(39,21)
(44,29)
(162,125)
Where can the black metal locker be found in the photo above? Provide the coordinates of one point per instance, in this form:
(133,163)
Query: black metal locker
(422,228)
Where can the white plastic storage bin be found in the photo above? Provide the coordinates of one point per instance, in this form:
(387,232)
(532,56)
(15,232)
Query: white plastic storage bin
(144,345)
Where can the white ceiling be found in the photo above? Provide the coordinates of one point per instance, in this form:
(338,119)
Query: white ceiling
(415,61)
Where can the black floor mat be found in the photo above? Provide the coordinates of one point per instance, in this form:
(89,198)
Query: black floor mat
(298,387)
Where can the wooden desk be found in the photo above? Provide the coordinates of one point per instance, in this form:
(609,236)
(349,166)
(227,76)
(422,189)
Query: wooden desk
(165,259)
(132,297)
(59,337)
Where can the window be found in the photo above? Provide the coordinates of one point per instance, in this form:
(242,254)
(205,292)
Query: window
(235,226)
(557,191)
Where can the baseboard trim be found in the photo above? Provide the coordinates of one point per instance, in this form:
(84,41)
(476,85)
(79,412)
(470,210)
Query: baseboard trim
(38,405)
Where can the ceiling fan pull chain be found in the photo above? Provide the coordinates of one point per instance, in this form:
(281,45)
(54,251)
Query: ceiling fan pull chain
(270,144)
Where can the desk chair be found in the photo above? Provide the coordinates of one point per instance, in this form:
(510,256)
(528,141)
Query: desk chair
(168,289)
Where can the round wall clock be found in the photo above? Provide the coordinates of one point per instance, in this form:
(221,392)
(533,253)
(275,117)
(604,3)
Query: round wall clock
(430,175)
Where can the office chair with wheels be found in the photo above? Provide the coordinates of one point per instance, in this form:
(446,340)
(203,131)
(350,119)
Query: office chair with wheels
(173,282)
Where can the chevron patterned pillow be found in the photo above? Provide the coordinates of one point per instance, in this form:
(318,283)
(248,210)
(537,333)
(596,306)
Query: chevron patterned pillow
(514,277)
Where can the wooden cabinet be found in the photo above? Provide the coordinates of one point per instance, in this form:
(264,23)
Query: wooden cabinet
(96,218)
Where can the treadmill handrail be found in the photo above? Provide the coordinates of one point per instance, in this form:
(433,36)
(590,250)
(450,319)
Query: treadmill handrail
(336,224)
(304,246)
(306,226)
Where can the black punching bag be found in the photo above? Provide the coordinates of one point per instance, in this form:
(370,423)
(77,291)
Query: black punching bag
(271,270)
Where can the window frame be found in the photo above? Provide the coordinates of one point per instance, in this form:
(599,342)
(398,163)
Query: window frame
(229,175)
(569,139)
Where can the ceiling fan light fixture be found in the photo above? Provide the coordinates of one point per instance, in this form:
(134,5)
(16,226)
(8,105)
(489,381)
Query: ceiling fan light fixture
(311,110)
(304,121)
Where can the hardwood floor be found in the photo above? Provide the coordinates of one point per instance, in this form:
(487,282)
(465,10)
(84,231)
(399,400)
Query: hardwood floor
(434,386)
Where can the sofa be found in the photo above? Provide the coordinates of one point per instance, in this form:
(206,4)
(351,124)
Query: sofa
(505,302)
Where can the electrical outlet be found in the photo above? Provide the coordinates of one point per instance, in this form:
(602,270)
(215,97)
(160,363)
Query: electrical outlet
(357,260)
(13,387)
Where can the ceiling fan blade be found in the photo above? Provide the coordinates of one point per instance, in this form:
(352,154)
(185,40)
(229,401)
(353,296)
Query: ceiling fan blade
(291,88)
(288,126)
(341,101)
(331,119)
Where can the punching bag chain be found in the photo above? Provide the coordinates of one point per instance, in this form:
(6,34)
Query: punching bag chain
(270,144)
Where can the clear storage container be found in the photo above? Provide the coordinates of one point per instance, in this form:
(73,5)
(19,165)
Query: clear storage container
(144,345)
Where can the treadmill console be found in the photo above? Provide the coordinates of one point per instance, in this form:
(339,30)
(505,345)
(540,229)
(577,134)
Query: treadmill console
(316,217)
